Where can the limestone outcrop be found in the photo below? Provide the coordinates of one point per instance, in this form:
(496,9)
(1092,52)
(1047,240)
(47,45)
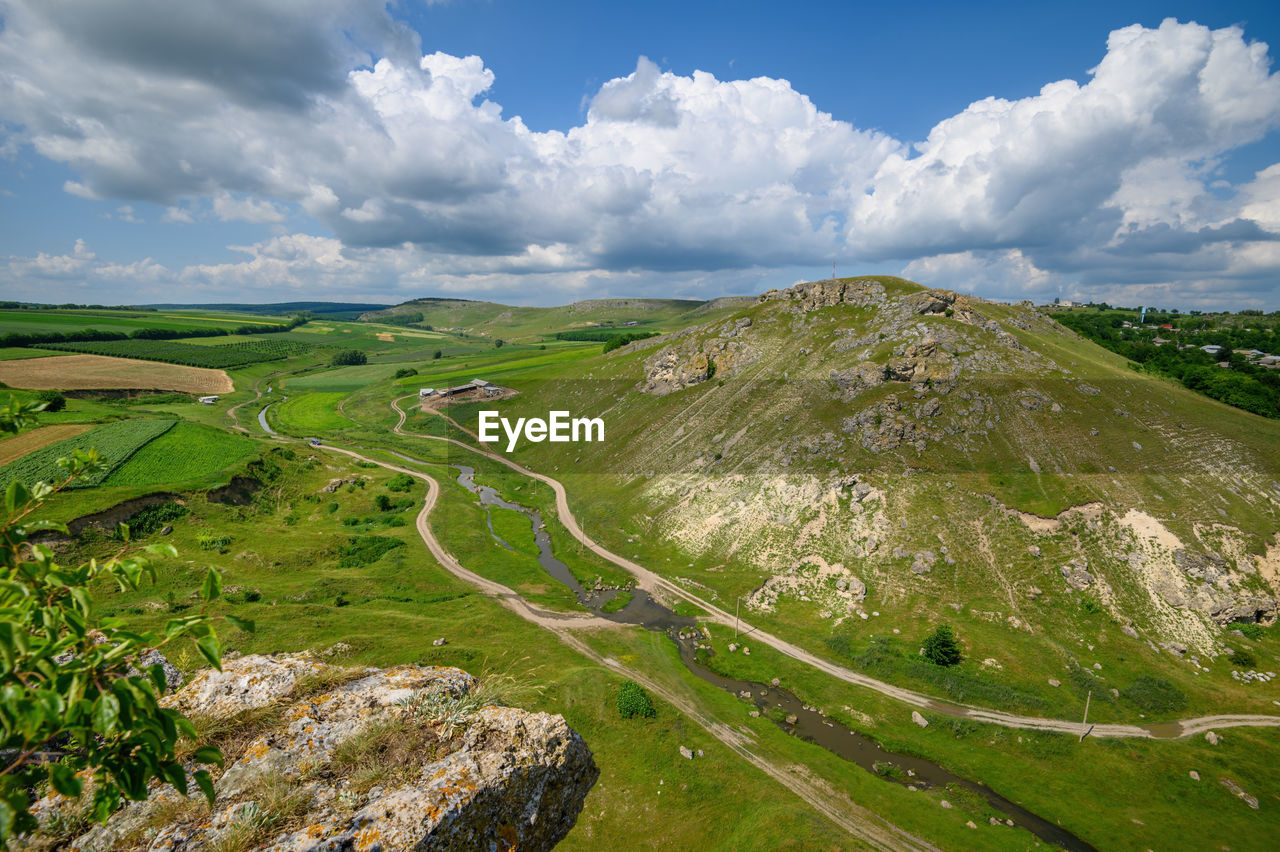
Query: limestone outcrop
(321,757)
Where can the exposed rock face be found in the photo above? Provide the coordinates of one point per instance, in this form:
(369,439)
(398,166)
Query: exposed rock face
(690,362)
(489,777)
(812,295)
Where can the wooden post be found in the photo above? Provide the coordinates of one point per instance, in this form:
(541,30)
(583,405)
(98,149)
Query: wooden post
(1084,723)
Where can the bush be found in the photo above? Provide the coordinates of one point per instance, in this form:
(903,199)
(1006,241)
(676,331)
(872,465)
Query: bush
(1248,628)
(1243,659)
(941,648)
(349,358)
(634,701)
(219,543)
(53,401)
(437,354)
(1155,695)
(400,482)
(404,373)
(382,502)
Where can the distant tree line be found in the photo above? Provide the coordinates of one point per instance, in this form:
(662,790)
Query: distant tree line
(1241,383)
(38,338)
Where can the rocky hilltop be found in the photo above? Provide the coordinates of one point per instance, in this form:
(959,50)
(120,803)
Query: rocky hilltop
(849,447)
(322,757)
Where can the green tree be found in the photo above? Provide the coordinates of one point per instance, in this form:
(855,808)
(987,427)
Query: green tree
(53,401)
(499,343)
(349,358)
(941,648)
(78,694)
(437,354)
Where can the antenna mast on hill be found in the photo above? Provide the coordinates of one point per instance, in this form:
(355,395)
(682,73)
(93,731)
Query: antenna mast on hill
(833,270)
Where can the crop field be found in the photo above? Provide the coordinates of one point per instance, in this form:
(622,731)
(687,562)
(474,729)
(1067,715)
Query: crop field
(12,449)
(115,442)
(26,322)
(89,372)
(311,413)
(222,356)
(18,353)
(183,453)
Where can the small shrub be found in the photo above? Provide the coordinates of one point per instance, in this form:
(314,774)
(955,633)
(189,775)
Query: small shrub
(1248,628)
(1243,659)
(941,648)
(634,701)
(332,507)
(437,355)
(219,543)
(404,373)
(382,502)
(365,550)
(1090,606)
(400,482)
(1155,695)
(53,401)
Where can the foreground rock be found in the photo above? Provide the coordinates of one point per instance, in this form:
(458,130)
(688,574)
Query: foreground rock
(329,758)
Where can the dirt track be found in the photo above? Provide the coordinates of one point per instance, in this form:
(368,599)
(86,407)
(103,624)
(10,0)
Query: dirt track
(863,824)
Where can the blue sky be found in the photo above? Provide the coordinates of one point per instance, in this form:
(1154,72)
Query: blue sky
(344,149)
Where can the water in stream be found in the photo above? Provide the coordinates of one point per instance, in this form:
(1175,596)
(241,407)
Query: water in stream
(800,720)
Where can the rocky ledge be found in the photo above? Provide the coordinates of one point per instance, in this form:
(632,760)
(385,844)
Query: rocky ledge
(323,757)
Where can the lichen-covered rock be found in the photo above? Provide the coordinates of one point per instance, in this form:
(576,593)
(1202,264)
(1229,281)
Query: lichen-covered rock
(492,777)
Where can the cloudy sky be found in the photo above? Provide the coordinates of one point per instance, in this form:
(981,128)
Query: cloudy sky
(538,153)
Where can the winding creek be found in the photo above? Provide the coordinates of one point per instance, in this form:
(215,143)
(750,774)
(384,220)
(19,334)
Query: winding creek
(770,701)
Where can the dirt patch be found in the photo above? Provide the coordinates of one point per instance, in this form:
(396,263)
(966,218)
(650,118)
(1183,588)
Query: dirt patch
(1147,526)
(385,336)
(12,449)
(82,372)
(1044,526)
(238,492)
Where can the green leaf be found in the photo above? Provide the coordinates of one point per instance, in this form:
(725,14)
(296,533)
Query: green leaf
(173,773)
(205,783)
(64,780)
(209,648)
(208,754)
(16,496)
(106,712)
(243,623)
(211,588)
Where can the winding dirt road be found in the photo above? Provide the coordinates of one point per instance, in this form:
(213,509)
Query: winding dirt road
(653,583)
(863,824)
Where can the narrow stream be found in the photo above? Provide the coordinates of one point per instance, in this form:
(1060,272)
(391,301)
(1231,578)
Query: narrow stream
(771,701)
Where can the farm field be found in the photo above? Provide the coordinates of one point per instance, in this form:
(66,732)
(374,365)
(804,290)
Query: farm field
(310,413)
(183,453)
(12,449)
(37,321)
(115,442)
(215,356)
(19,353)
(88,372)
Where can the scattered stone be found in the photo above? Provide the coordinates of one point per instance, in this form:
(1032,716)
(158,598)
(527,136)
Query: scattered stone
(733,646)
(944,803)
(1212,737)
(746,650)
(791,720)
(1054,682)
(918,719)
(1251,801)
(686,753)
(754,714)
(166,529)
(1128,630)
(970,824)
(1034,550)
(1195,776)
(440,641)
(776,682)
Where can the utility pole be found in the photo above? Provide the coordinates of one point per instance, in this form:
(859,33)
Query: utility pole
(1085,721)
(736,606)
(833,270)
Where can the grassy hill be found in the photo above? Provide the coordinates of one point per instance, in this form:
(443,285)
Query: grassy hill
(525,324)
(861,460)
